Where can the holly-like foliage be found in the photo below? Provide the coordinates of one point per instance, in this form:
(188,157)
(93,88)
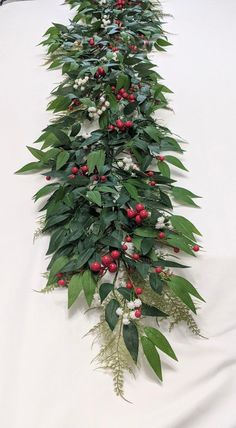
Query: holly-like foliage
(113,235)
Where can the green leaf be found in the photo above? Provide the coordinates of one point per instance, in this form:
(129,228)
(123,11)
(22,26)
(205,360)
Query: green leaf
(184,284)
(175,161)
(49,188)
(62,158)
(80,261)
(152,356)
(89,286)
(96,159)
(132,191)
(143,269)
(159,340)
(156,282)
(57,266)
(95,197)
(110,313)
(125,292)
(184,296)
(147,245)
(145,232)
(184,196)
(179,242)
(123,81)
(32,166)
(181,224)
(38,154)
(131,339)
(153,133)
(105,289)
(163,168)
(75,287)
(152,311)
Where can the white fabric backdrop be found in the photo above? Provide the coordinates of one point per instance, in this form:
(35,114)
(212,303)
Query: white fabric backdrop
(47,380)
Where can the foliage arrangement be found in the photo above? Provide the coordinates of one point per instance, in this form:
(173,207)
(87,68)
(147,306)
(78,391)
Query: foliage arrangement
(113,235)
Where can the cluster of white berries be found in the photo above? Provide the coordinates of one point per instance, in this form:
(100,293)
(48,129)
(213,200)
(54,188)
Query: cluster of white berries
(127,163)
(162,222)
(131,314)
(105,21)
(80,83)
(95,112)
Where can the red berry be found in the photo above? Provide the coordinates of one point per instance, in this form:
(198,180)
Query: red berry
(101,71)
(59,275)
(196,248)
(139,207)
(115,254)
(138,291)
(96,75)
(135,256)
(138,313)
(106,260)
(131,213)
(129,124)
(128,239)
(71,176)
(176,250)
(113,88)
(124,247)
(84,168)
(158,269)
(118,97)
(129,285)
(125,95)
(162,235)
(132,97)
(150,173)
(143,214)
(119,123)
(95,267)
(74,170)
(138,219)
(91,42)
(103,178)
(161,158)
(112,267)
(111,128)
(152,183)
(48,177)
(61,282)
(122,91)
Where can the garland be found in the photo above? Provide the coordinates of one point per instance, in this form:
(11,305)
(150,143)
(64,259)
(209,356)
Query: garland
(113,236)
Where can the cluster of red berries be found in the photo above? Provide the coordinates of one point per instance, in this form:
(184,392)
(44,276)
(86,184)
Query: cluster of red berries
(133,48)
(74,103)
(123,94)
(120,4)
(161,158)
(102,178)
(137,290)
(113,48)
(120,125)
(61,282)
(108,262)
(100,73)
(139,214)
(151,183)
(195,248)
(75,171)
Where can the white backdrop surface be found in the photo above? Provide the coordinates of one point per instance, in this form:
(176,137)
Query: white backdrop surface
(47,380)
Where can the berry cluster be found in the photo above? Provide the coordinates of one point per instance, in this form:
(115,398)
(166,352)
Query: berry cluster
(124,94)
(139,214)
(120,125)
(108,262)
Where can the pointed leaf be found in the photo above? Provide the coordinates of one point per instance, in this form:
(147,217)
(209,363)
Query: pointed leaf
(159,340)
(152,356)
(131,339)
(75,287)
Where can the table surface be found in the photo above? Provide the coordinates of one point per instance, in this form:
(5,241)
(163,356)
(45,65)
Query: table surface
(47,380)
